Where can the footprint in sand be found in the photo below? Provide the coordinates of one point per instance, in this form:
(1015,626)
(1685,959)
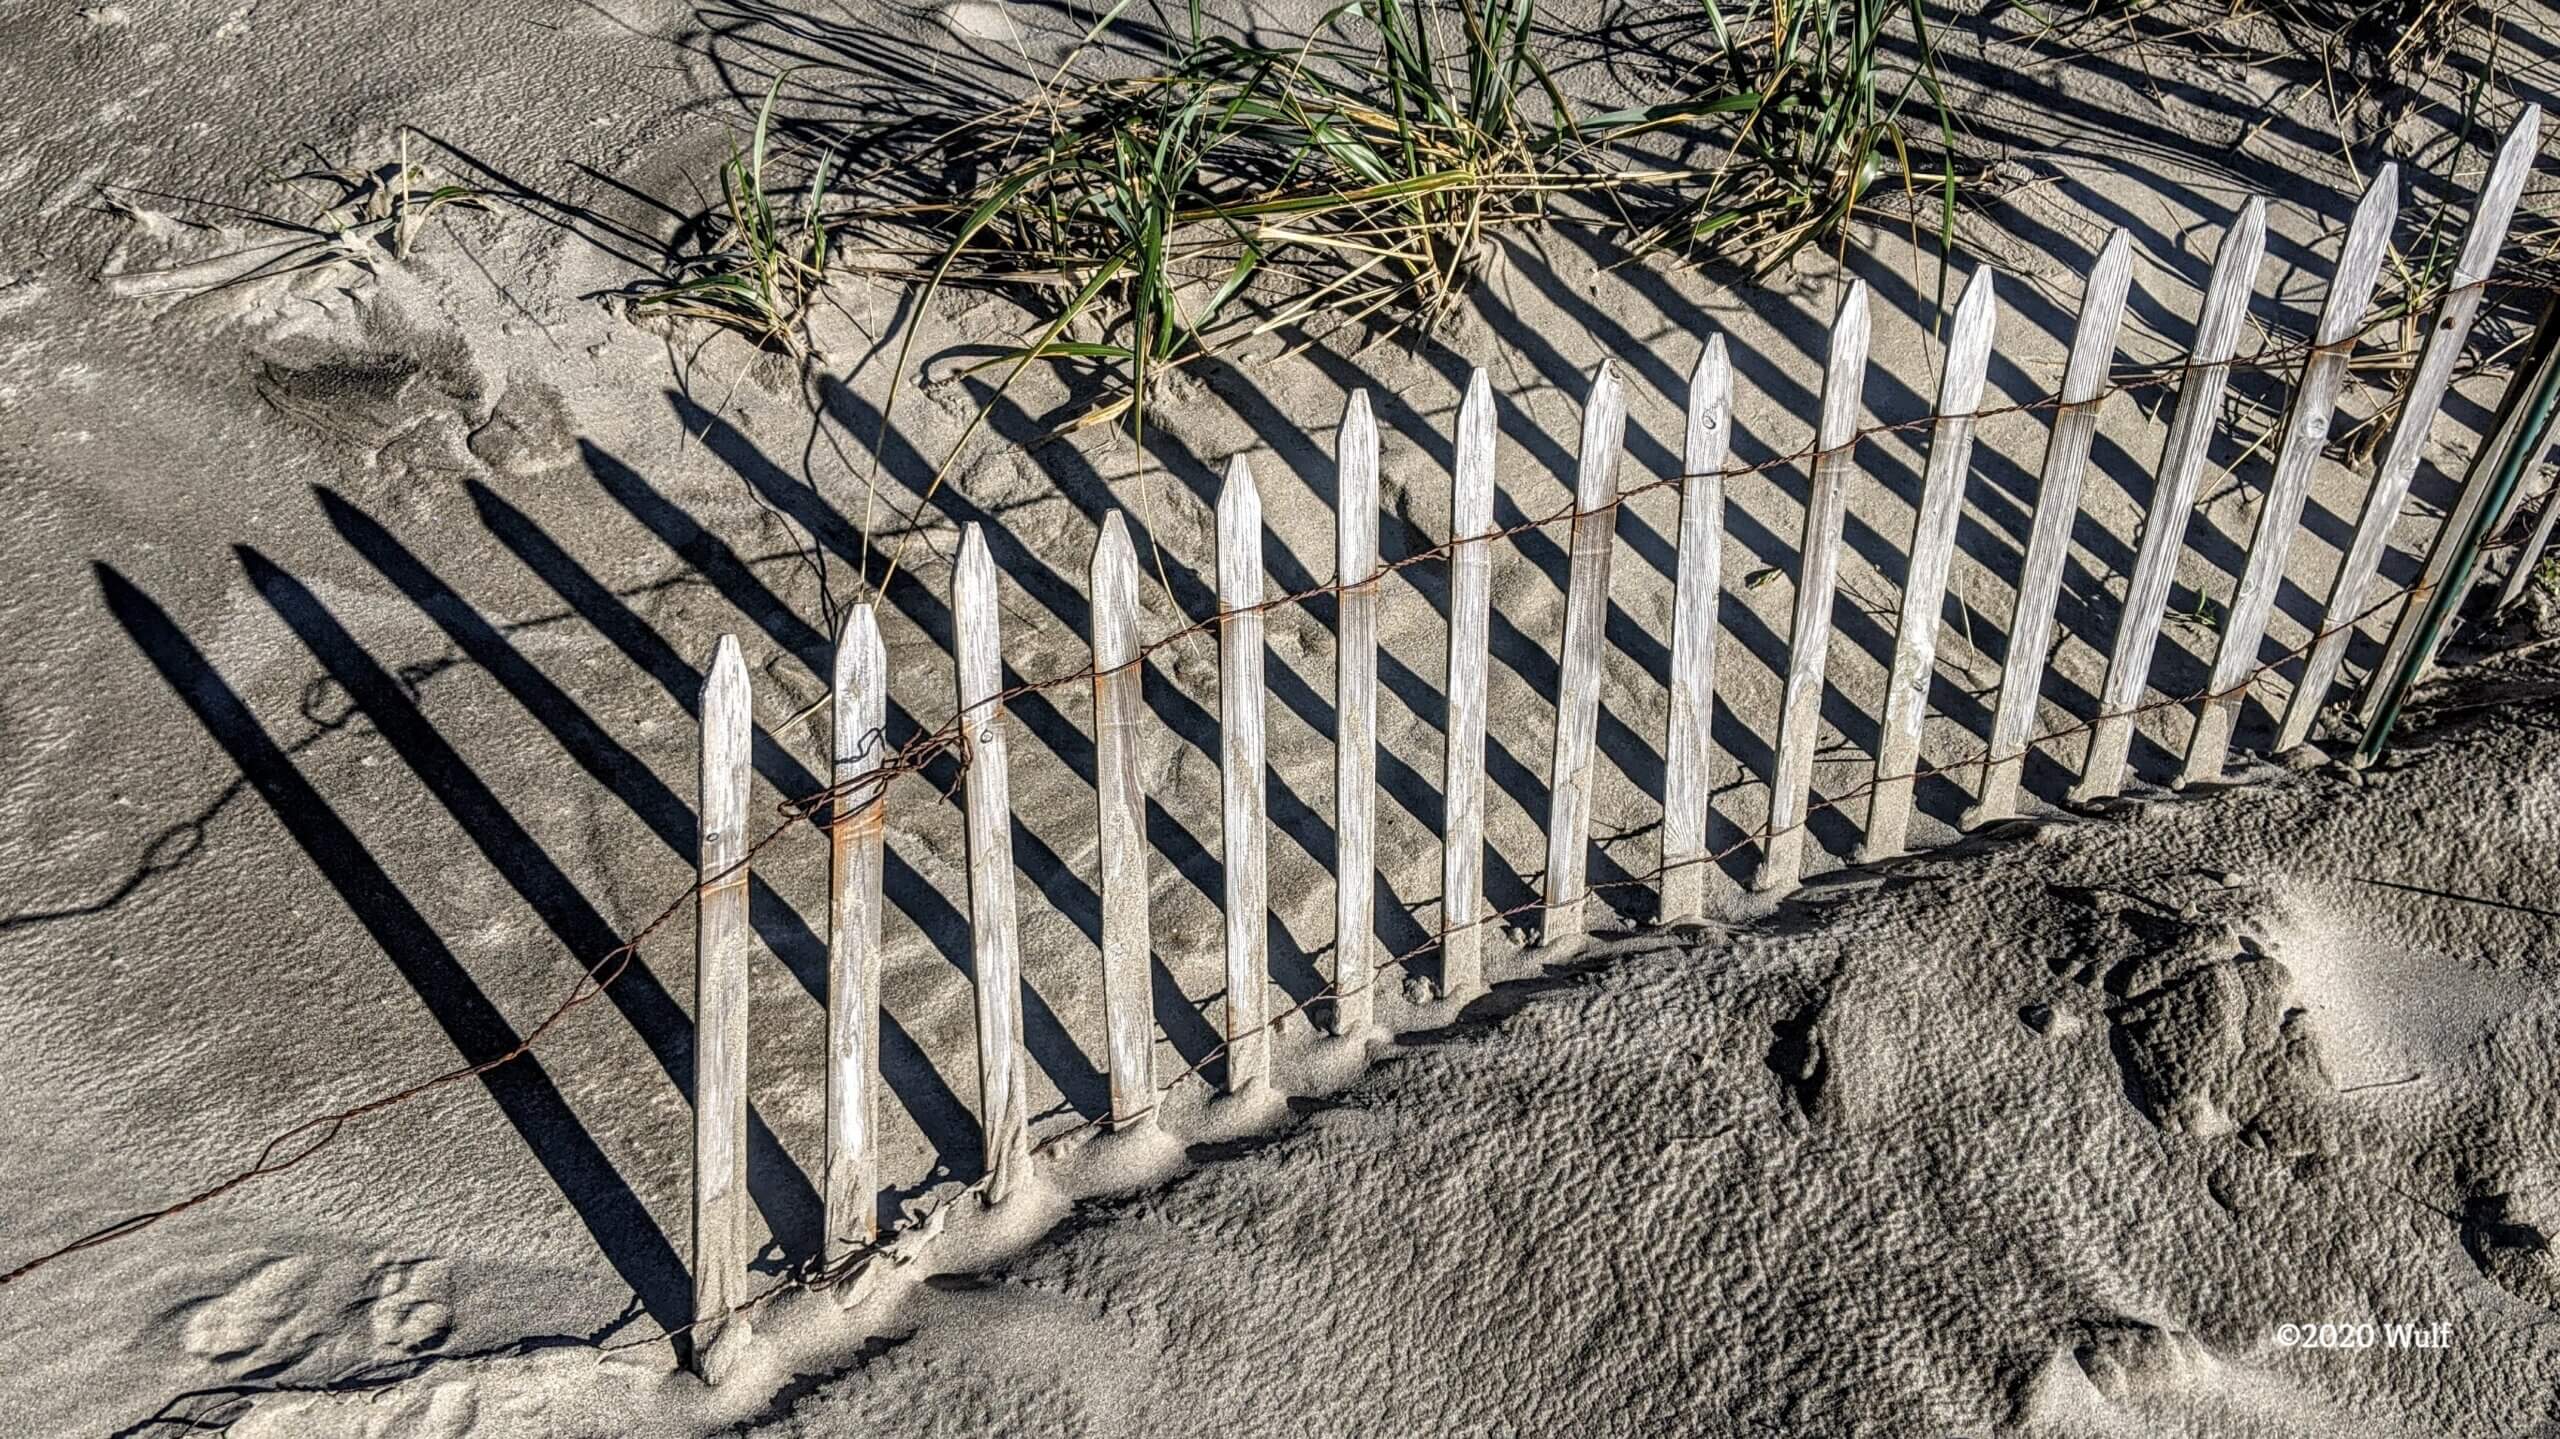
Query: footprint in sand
(2129,1359)
(260,1324)
(981,20)
(2509,1249)
(286,1312)
(409,1311)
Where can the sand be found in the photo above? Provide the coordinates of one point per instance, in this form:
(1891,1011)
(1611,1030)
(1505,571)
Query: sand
(357,619)
(1850,1170)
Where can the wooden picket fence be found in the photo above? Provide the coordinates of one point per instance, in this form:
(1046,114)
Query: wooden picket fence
(723,1239)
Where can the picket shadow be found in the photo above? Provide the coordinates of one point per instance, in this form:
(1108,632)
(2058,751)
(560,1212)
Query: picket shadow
(523,1090)
(788,1201)
(936,1110)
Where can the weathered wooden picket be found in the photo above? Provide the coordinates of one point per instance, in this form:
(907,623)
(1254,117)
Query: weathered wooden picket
(721,1214)
(722,1246)
(2173,495)
(2446,342)
(857,841)
(2066,461)
(1932,549)
(2306,432)
(1120,807)
(1844,380)
(1470,631)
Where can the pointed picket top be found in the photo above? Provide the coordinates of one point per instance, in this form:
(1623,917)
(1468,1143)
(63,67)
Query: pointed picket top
(860,690)
(1969,344)
(975,567)
(1115,570)
(2227,290)
(2498,197)
(973,578)
(2446,340)
(2066,464)
(1686,782)
(1462,752)
(1586,613)
(1604,439)
(1471,503)
(858,665)
(861,680)
(1931,552)
(2164,525)
(1355,450)
(728,678)
(1239,512)
(2093,339)
(2306,434)
(2360,259)
(1708,436)
(1844,383)
(1844,372)
(855,843)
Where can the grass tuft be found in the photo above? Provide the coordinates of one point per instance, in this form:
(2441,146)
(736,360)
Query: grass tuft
(364,215)
(1813,100)
(1246,189)
(762,270)
(1358,177)
(1362,176)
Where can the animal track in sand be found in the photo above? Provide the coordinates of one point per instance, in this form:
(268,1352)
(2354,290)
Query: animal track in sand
(2510,1252)
(410,399)
(408,1310)
(2222,1048)
(2208,1029)
(2112,1363)
(1796,1056)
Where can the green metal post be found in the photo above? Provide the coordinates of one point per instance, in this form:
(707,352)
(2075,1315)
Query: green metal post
(2540,394)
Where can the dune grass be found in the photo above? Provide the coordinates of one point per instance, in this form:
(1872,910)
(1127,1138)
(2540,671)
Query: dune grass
(1819,105)
(1238,189)
(1246,189)
(762,269)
